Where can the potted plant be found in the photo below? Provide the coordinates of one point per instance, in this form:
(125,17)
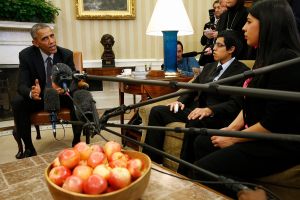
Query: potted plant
(28,11)
(16,19)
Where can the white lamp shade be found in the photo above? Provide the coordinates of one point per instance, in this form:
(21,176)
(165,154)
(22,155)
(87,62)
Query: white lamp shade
(169,15)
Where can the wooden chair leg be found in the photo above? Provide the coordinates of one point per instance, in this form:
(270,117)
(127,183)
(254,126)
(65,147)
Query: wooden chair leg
(38,133)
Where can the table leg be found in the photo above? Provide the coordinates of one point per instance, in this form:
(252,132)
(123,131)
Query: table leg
(121,102)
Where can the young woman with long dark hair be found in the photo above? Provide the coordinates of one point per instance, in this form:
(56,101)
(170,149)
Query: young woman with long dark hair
(271,28)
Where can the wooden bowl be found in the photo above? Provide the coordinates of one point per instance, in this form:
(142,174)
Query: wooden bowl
(133,191)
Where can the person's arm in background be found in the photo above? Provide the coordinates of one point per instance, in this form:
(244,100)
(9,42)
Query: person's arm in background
(204,38)
(188,65)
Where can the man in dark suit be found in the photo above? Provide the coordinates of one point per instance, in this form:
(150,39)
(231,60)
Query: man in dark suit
(34,76)
(201,109)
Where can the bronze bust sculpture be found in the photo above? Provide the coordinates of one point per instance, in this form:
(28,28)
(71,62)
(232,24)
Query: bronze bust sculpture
(108,56)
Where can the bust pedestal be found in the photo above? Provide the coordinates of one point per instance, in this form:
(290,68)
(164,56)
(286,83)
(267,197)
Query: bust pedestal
(108,63)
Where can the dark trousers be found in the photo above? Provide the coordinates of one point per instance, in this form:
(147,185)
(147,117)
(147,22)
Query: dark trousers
(243,161)
(161,116)
(23,107)
(187,151)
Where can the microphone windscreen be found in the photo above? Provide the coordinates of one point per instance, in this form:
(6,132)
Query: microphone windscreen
(84,100)
(51,100)
(61,72)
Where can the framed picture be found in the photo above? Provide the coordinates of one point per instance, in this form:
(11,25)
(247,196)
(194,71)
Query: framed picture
(105,9)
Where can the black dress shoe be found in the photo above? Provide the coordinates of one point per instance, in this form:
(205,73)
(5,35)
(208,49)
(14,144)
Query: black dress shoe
(29,153)
(19,155)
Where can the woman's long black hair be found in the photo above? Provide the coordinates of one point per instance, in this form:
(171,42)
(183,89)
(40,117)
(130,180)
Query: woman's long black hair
(278,29)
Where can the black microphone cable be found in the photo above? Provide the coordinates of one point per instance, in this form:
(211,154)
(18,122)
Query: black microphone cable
(52,105)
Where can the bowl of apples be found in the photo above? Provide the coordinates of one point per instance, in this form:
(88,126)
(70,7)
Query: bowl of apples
(95,172)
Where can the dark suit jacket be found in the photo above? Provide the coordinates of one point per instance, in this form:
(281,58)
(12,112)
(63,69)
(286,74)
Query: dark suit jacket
(222,105)
(32,67)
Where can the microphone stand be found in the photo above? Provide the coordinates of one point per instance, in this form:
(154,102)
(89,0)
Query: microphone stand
(229,183)
(89,128)
(214,87)
(212,132)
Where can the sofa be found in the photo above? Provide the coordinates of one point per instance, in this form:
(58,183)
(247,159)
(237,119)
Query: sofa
(285,184)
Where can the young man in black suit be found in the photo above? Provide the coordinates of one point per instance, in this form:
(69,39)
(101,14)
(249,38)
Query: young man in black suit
(34,76)
(201,109)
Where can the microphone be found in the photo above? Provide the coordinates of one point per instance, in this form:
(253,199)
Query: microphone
(192,54)
(85,108)
(62,76)
(52,105)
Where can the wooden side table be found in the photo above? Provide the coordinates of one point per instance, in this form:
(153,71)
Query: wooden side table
(106,71)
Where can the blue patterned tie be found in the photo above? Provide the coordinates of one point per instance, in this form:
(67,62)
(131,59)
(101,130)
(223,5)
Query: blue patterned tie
(215,73)
(49,72)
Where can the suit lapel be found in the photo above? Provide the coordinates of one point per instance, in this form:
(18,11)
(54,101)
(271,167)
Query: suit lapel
(228,71)
(57,57)
(39,64)
(208,77)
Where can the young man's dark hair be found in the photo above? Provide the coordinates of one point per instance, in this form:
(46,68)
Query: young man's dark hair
(179,43)
(231,39)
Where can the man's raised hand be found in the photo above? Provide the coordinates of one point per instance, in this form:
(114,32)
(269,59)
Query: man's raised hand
(36,90)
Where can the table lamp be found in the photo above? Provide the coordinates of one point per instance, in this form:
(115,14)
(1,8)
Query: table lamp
(169,19)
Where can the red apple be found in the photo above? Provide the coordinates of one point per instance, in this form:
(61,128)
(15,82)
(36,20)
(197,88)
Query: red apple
(119,177)
(95,184)
(82,162)
(55,162)
(82,171)
(118,163)
(119,155)
(84,150)
(102,170)
(73,184)
(135,167)
(118,159)
(69,158)
(96,158)
(59,174)
(111,147)
(96,147)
